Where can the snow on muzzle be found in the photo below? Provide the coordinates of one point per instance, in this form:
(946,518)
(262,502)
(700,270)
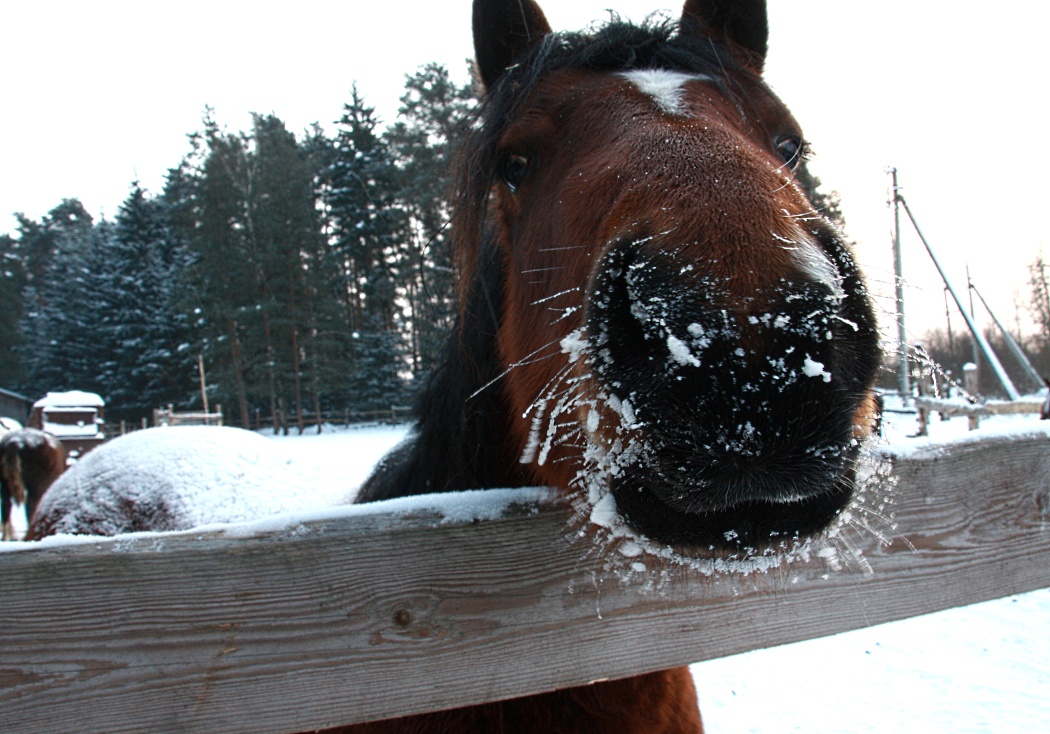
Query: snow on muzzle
(743,392)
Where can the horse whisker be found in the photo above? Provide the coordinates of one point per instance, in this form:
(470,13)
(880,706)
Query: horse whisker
(567,313)
(513,366)
(544,270)
(556,295)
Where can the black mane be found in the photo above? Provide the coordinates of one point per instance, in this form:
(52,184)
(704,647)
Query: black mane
(624,46)
(456,420)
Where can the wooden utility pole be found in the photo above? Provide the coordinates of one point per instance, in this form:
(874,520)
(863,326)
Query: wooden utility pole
(204,391)
(986,348)
(898,277)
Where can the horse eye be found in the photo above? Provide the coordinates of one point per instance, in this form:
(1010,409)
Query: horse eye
(513,170)
(791,149)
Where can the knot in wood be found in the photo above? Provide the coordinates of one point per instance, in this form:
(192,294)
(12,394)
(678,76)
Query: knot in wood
(402,618)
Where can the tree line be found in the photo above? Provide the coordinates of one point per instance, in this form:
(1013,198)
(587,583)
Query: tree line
(307,273)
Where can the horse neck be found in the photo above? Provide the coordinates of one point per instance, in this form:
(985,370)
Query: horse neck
(462,417)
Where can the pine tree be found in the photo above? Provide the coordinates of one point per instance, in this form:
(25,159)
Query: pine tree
(64,343)
(39,241)
(1039,282)
(285,232)
(35,250)
(56,256)
(367,235)
(309,275)
(261,292)
(12,284)
(435,116)
(828,204)
(330,363)
(148,363)
(211,189)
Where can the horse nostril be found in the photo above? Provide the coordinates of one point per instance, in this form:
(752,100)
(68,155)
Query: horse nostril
(618,316)
(654,313)
(647,318)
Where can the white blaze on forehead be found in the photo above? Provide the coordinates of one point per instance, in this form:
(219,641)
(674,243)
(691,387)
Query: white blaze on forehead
(665,87)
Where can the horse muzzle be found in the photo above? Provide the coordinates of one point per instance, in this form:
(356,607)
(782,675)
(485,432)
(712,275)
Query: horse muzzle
(743,392)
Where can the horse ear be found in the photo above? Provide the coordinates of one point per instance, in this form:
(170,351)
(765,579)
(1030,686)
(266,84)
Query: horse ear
(503,31)
(742,23)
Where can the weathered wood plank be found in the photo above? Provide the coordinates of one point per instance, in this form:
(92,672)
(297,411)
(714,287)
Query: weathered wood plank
(366,616)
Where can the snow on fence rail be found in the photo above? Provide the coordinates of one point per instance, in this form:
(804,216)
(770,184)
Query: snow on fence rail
(415,605)
(950,407)
(959,406)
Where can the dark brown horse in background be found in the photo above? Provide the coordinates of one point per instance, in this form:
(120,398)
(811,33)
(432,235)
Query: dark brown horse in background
(30,461)
(651,312)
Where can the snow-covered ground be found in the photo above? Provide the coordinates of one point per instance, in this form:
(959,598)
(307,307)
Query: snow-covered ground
(983,668)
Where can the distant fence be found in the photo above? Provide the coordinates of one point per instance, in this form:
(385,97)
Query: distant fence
(379,611)
(935,396)
(170,417)
(346,417)
(951,407)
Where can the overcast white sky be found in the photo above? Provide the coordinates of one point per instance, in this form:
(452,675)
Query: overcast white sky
(94,95)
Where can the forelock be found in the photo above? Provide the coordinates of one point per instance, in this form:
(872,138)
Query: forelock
(617,46)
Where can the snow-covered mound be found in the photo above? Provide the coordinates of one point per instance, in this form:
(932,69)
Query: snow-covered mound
(179,478)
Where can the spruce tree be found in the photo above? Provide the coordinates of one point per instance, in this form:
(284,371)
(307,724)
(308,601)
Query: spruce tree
(65,346)
(12,284)
(211,213)
(148,363)
(367,236)
(435,115)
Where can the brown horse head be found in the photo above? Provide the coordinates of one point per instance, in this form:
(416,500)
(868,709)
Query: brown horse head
(674,329)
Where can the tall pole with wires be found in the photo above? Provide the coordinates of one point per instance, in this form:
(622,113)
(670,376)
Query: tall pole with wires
(903,384)
(986,349)
(973,315)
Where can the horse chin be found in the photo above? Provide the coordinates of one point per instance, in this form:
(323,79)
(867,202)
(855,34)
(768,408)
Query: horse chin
(755,519)
(697,502)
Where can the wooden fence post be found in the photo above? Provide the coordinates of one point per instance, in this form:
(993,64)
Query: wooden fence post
(970,383)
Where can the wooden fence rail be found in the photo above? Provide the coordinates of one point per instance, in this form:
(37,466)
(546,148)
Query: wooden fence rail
(415,605)
(951,407)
